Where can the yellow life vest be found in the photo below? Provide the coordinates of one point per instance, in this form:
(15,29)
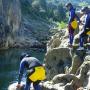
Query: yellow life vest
(74,24)
(39,74)
(88,33)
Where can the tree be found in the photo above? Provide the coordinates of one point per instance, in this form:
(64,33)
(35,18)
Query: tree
(59,13)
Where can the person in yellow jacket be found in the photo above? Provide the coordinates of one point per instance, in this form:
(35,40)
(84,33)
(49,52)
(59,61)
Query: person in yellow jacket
(35,71)
(73,22)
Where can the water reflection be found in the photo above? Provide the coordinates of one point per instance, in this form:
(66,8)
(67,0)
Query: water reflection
(9,64)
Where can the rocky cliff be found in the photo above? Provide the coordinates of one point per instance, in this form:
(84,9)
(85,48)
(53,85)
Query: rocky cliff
(67,68)
(10,19)
(19,29)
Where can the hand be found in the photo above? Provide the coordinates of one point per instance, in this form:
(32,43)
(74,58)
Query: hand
(43,65)
(18,86)
(30,71)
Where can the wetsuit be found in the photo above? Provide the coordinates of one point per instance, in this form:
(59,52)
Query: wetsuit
(72,16)
(85,30)
(28,64)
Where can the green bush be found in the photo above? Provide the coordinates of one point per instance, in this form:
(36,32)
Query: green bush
(61,25)
(83,4)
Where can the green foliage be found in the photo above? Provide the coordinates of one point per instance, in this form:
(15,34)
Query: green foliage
(59,13)
(61,25)
(43,9)
(83,4)
(49,10)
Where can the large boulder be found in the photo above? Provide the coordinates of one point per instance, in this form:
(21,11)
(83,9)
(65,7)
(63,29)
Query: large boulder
(83,78)
(74,82)
(77,60)
(59,39)
(48,85)
(85,71)
(56,60)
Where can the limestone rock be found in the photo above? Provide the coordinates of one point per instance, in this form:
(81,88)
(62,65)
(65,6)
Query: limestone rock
(77,60)
(10,18)
(80,63)
(56,60)
(63,78)
(18,30)
(64,42)
(48,85)
(59,39)
(76,39)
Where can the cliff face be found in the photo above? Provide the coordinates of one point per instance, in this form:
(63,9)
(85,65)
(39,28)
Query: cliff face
(10,19)
(19,29)
(67,68)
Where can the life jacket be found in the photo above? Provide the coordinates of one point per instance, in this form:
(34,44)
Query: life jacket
(88,33)
(39,74)
(88,24)
(74,24)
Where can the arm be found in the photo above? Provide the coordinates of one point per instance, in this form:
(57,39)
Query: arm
(21,70)
(72,16)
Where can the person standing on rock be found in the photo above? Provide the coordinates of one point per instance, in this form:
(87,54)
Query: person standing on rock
(35,71)
(73,22)
(86,29)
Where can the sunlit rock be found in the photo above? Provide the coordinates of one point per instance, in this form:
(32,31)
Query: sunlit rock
(56,60)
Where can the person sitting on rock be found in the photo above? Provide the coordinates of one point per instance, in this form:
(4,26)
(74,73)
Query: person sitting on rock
(86,30)
(35,71)
(73,22)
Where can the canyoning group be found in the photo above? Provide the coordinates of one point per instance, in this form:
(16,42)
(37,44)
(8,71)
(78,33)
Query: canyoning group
(35,71)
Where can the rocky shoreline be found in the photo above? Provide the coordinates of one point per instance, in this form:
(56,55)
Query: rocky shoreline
(67,68)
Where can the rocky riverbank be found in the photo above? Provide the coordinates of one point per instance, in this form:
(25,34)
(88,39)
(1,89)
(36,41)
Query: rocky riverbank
(67,69)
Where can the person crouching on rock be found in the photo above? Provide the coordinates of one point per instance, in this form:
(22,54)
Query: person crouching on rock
(73,22)
(86,29)
(35,71)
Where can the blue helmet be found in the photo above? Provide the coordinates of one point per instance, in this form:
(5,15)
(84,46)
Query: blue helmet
(23,55)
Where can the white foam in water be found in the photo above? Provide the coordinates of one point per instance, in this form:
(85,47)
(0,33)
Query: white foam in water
(13,86)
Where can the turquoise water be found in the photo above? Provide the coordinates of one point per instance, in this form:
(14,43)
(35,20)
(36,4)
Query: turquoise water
(9,65)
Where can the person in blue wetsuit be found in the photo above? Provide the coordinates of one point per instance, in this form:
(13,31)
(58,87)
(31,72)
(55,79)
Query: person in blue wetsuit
(33,67)
(72,17)
(86,28)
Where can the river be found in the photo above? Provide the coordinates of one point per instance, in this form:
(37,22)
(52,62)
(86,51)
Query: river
(9,64)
